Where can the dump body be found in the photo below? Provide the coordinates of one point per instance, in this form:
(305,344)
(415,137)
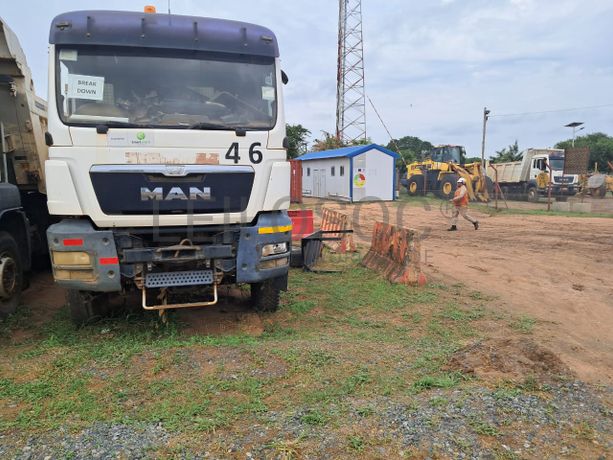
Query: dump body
(168,162)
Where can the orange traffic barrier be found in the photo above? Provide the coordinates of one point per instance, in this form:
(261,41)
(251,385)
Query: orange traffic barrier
(395,253)
(336,221)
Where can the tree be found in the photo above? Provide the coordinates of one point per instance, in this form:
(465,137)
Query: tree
(600,145)
(410,148)
(510,153)
(329,142)
(297,138)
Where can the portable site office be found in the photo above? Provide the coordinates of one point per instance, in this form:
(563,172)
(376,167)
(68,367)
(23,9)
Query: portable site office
(358,173)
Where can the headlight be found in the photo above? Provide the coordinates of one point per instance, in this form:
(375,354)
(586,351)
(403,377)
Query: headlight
(272,249)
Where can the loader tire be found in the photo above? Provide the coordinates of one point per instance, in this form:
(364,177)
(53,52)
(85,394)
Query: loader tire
(415,186)
(265,296)
(447,186)
(86,307)
(11,275)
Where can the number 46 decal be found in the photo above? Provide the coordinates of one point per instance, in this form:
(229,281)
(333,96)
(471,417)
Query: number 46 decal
(255,156)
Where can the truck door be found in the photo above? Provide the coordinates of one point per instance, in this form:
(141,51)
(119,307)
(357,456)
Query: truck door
(538,166)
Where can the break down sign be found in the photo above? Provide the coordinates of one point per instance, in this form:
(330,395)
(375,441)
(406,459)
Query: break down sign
(86,87)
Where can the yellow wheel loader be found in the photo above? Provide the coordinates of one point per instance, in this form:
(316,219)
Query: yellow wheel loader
(440,170)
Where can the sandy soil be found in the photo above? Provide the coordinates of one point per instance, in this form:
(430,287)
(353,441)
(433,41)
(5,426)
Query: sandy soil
(556,270)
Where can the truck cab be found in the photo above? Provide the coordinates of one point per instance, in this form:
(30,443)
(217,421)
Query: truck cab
(168,162)
(562,185)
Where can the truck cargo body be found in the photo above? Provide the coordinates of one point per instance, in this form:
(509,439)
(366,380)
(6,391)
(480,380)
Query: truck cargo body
(529,177)
(168,163)
(23,209)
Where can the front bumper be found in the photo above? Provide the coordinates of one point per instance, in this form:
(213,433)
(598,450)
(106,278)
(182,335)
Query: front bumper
(84,258)
(561,190)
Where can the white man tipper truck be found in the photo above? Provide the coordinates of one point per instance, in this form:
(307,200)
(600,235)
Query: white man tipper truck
(529,178)
(23,208)
(167,160)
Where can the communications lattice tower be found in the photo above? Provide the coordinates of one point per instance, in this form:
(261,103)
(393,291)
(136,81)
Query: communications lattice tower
(350,99)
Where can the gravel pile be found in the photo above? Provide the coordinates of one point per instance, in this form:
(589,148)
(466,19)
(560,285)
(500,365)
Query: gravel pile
(454,423)
(100,441)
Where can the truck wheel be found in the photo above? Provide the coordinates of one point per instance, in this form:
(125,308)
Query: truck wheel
(415,186)
(265,296)
(599,192)
(533,195)
(11,275)
(447,187)
(86,307)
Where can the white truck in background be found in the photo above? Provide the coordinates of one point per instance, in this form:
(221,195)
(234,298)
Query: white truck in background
(167,160)
(529,178)
(23,203)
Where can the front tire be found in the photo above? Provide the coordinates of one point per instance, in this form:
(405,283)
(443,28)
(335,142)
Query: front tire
(415,186)
(11,275)
(448,186)
(266,296)
(533,195)
(86,307)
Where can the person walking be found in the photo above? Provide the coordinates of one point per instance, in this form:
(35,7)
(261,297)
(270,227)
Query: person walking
(460,201)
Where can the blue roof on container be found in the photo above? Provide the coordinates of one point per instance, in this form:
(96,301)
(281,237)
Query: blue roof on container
(128,28)
(346,152)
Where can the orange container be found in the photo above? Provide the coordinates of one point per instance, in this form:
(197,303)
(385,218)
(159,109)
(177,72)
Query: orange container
(296,182)
(302,222)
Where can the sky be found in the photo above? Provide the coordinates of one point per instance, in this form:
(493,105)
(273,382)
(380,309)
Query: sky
(431,66)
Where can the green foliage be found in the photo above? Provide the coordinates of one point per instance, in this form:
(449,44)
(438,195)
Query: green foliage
(510,153)
(600,145)
(329,142)
(297,137)
(410,148)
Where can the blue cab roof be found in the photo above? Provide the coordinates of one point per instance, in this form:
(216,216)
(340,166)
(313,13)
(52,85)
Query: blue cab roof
(153,30)
(346,152)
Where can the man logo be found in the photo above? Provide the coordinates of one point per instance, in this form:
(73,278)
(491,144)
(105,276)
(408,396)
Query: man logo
(175,193)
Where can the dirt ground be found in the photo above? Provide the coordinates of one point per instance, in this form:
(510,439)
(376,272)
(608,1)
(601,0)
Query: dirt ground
(554,269)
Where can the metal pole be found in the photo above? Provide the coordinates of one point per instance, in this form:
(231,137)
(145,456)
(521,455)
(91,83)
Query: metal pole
(574,131)
(549,186)
(4,174)
(485,117)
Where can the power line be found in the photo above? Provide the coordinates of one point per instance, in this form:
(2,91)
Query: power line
(574,109)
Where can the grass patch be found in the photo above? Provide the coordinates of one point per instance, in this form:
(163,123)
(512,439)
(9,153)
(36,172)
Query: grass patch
(524,324)
(356,443)
(429,382)
(369,338)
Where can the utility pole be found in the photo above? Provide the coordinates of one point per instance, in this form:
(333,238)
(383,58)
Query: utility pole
(350,96)
(486,113)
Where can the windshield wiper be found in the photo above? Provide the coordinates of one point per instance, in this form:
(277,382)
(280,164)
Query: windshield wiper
(205,125)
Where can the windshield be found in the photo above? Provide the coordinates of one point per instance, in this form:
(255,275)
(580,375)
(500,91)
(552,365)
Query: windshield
(447,154)
(556,164)
(173,89)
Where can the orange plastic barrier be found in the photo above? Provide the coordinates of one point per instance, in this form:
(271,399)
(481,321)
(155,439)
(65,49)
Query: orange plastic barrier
(395,253)
(334,220)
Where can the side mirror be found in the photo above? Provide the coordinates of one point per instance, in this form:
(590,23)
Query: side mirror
(284,77)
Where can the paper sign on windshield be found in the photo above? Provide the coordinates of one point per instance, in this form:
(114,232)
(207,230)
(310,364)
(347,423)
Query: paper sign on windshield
(86,87)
